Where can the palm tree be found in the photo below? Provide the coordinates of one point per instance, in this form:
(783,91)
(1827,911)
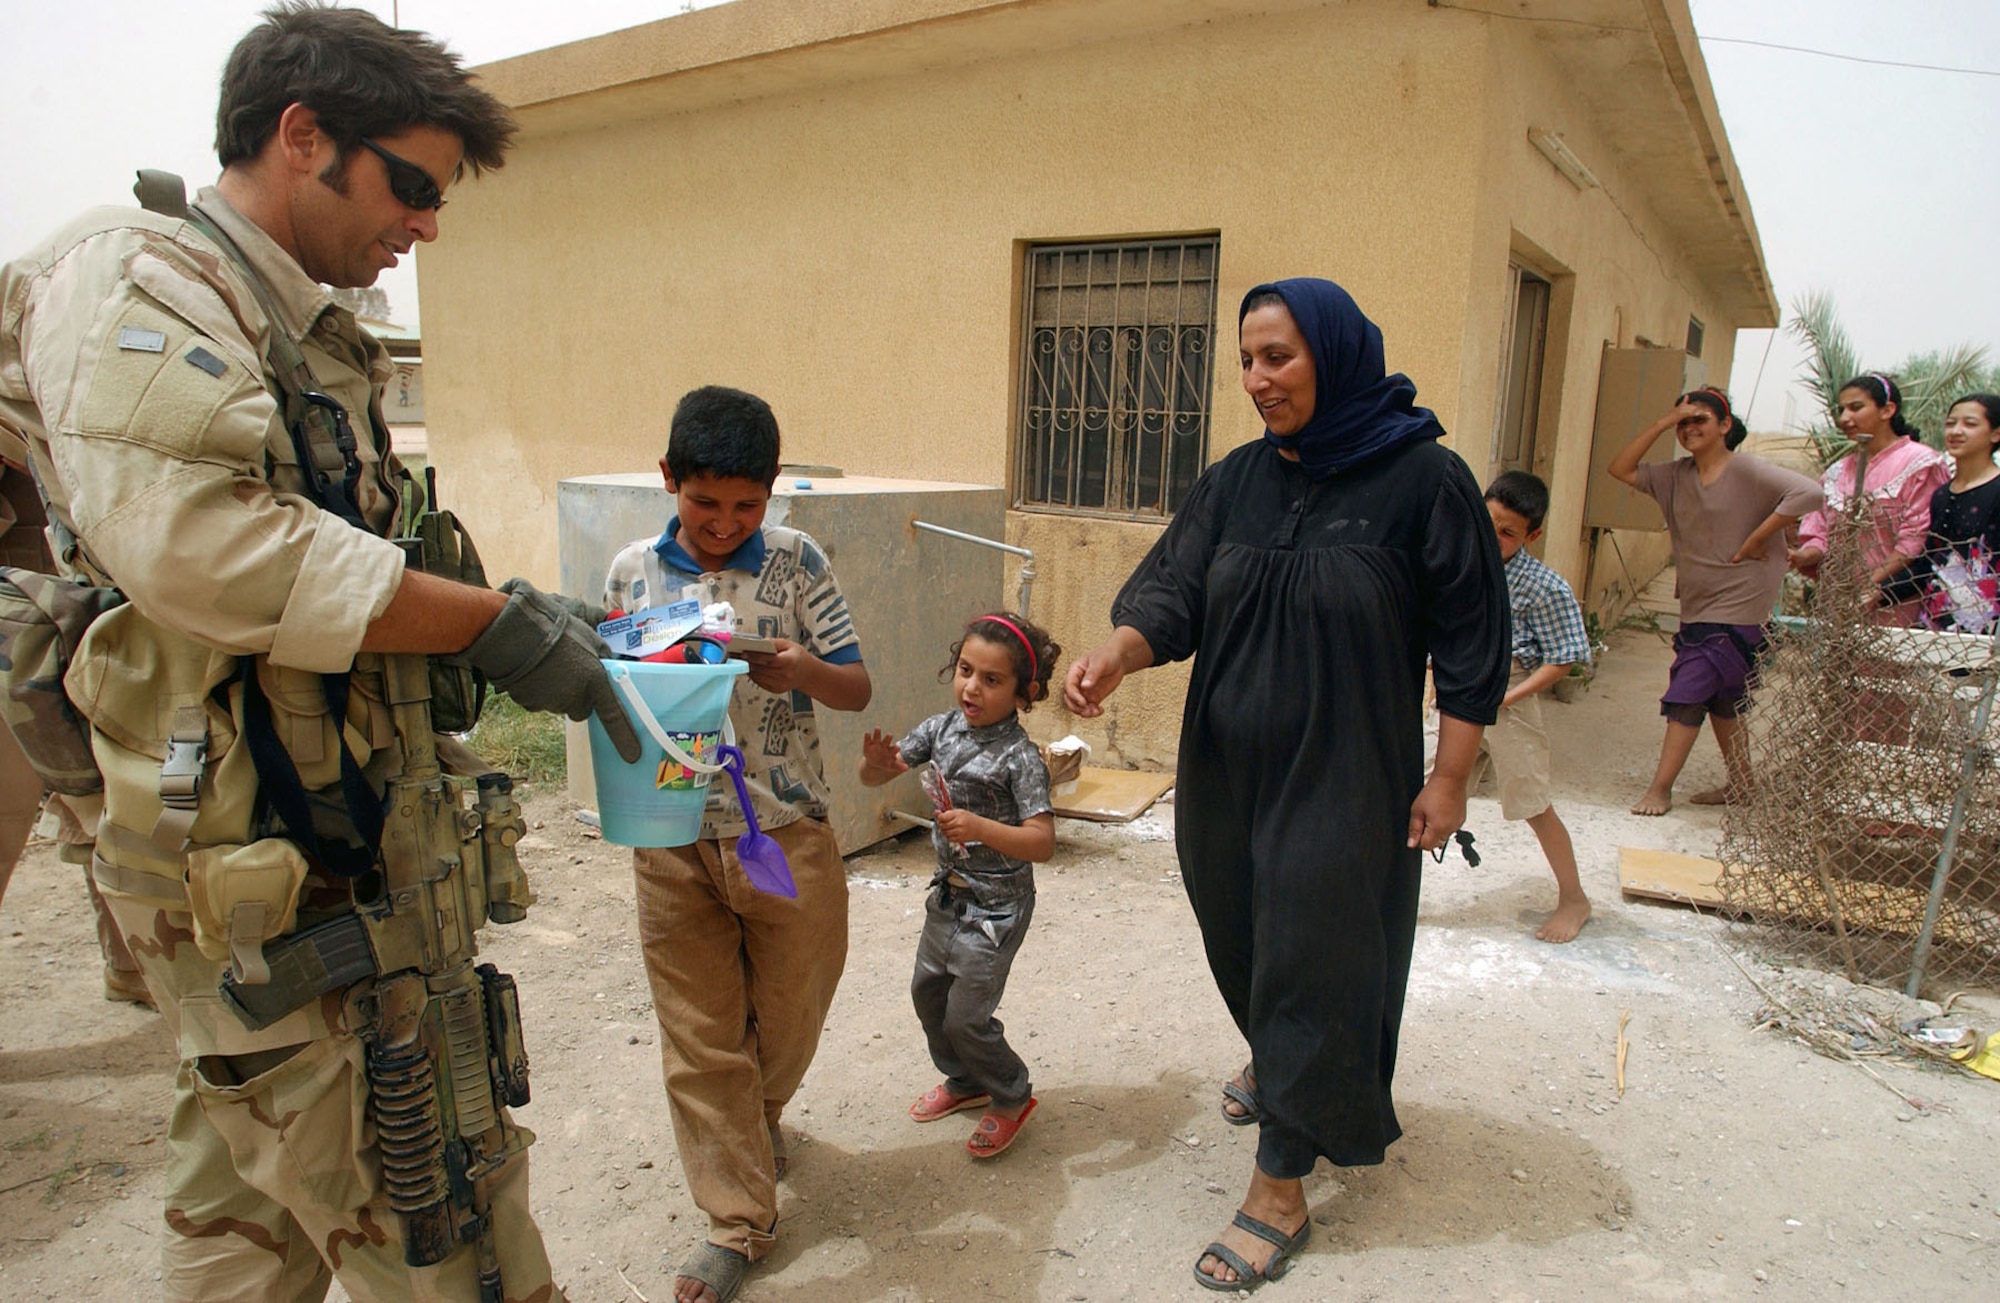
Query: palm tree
(1929,381)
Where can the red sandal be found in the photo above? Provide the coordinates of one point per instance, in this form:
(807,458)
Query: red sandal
(994,1133)
(938,1102)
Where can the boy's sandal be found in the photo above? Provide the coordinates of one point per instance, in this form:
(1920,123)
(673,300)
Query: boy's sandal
(722,1270)
(1248,1277)
(939,1102)
(994,1133)
(1242,1091)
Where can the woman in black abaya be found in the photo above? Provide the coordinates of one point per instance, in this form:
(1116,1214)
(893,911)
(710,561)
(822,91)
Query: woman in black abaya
(1311,575)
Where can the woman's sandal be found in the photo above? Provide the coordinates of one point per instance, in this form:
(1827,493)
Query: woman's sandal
(722,1270)
(1248,1277)
(994,1133)
(1243,1093)
(938,1102)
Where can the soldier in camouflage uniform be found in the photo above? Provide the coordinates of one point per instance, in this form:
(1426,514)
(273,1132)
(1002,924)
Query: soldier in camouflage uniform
(136,358)
(22,544)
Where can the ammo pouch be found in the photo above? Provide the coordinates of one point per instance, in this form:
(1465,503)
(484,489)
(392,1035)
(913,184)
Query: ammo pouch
(241,897)
(437,544)
(42,622)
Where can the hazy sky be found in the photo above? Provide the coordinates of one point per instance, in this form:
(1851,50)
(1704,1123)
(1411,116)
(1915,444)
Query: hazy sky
(1877,184)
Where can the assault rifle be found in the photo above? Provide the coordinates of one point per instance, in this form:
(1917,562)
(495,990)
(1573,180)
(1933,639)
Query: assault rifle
(444,1035)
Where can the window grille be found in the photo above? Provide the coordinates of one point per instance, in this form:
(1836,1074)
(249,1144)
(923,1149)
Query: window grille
(1116,364)
(1695,332)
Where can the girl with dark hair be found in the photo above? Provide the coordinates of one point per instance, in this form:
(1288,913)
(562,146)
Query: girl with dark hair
(1958,575)
(994,823)
(1902,472)
(1311,574)
(1726,513)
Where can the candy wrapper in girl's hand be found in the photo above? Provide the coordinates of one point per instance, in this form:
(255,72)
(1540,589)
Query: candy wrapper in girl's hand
(934,787)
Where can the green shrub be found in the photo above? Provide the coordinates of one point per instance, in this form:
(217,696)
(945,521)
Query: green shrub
(527,744)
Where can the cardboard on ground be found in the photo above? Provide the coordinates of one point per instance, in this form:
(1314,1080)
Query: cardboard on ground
(1668,875)
(1111,795)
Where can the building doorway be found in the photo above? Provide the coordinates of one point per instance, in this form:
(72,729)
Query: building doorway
(1523,348)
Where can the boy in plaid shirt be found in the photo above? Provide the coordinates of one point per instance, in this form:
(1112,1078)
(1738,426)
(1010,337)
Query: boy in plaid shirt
(1549,637)
(742,980)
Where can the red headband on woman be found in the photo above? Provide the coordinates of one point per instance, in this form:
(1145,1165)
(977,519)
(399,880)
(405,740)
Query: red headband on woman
(1034,667)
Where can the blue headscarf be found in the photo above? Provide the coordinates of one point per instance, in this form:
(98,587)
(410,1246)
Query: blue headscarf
(1358,412)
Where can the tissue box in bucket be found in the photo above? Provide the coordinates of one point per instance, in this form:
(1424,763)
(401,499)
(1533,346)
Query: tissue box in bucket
(658,801)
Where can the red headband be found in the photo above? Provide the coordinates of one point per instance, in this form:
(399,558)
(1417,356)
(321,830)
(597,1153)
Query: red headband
(1034,667)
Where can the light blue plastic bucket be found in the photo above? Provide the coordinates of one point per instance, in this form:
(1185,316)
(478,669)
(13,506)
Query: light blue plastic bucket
(658,800)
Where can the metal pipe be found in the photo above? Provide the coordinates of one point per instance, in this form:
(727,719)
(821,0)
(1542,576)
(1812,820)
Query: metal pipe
(917,819)
(1974,748)
(1027,557)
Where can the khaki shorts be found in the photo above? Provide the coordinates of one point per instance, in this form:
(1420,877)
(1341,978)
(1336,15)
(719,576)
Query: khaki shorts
(1516,748)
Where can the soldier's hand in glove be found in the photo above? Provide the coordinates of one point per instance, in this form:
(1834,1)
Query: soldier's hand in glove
(539,653)
(588,612)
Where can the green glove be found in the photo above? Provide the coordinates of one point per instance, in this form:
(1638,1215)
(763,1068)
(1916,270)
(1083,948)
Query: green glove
(544,657)
(588,612)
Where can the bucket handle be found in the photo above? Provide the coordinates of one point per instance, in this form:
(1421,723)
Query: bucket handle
(644,714)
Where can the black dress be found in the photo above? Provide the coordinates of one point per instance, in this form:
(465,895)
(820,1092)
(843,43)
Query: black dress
(1966,526)
(1310,609)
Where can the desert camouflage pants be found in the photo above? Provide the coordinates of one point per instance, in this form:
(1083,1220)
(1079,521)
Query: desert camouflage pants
(20,806)
(273,1181)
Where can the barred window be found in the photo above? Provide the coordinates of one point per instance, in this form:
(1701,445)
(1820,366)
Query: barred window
(1116,363)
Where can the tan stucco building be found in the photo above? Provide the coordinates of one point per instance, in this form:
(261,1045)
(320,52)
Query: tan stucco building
(1003,241)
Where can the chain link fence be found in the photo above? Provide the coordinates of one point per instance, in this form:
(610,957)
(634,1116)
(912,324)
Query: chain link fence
(1870,841)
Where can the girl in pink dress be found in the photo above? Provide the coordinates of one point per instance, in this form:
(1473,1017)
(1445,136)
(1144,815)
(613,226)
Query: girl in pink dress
(1902,473)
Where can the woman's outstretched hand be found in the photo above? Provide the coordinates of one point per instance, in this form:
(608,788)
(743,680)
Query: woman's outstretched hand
(1092,677)
(1097,673)
(1437,813)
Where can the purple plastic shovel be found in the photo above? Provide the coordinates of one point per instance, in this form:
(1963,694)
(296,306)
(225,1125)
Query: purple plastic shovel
(763,860)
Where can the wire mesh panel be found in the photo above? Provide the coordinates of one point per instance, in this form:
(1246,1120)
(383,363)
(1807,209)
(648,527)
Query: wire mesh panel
(1871,839)
(1117,360)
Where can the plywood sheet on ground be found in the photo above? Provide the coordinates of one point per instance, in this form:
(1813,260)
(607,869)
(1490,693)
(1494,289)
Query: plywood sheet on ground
(1668,875)
(1793,898)
(1111,795)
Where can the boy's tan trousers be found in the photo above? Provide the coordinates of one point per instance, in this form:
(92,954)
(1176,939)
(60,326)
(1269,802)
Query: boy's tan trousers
(741,985)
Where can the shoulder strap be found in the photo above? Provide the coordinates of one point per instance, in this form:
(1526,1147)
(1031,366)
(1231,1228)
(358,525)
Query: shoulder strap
(322,435)
(161,192)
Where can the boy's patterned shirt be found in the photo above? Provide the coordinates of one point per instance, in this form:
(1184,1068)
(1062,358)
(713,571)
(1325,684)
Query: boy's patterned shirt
(993,771)
(1548,624)
(781,586)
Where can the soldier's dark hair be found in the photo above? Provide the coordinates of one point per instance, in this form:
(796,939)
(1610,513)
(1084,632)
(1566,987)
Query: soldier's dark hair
(1523,494)
(360,76)
(1030,651)
(724,433)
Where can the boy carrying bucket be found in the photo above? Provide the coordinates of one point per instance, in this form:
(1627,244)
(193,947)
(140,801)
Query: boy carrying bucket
(742,980)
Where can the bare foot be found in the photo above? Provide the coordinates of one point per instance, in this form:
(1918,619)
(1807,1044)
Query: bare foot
(1713,796)
(1572,912)
(1655,802)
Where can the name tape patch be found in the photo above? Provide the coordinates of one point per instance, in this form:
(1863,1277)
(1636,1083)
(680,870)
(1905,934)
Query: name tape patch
(207,361)
(137,339)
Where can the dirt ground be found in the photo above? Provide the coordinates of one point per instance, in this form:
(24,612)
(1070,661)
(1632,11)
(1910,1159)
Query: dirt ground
(1736,1162)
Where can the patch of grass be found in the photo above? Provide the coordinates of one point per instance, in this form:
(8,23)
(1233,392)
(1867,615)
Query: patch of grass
(527,744)
(37,1141)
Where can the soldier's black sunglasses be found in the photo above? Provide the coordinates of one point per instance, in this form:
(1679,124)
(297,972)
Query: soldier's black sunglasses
(408,182)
